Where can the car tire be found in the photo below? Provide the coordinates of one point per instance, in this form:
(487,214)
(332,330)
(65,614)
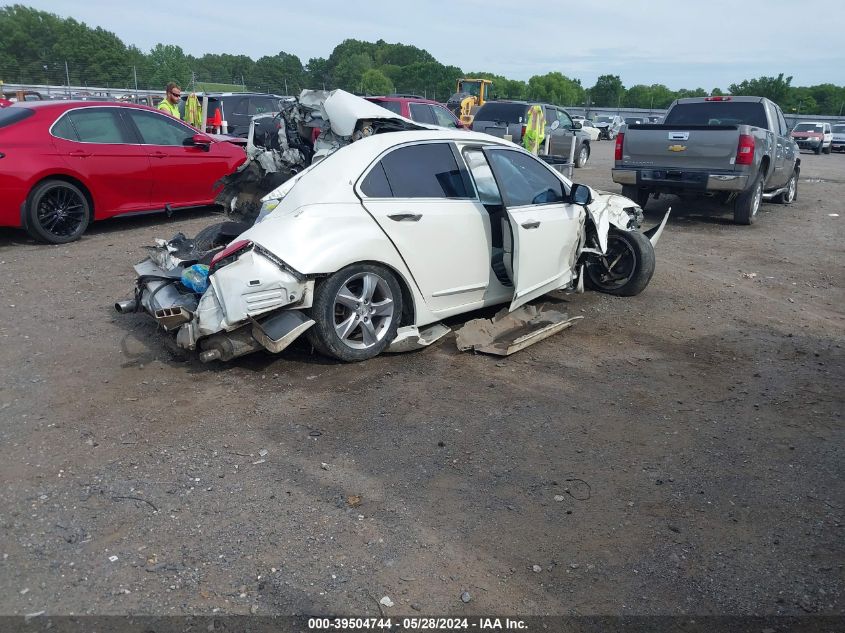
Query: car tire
(828,149)
(627,267)
(57,212)
(356,312)
(582,156)
(640,196)
(818,150)
(747,203)
(791,194)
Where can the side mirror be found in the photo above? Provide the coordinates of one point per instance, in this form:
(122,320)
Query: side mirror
(580,194)
(201,141)
(555,125)
(576,125)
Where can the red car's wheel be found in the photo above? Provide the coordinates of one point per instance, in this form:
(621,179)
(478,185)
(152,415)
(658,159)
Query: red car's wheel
(57,212)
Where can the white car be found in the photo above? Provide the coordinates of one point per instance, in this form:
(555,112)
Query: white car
(367,250)
(838,142)
(588,127)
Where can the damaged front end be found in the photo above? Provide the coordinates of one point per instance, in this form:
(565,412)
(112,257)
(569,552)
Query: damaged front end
(304,132)
(223,303)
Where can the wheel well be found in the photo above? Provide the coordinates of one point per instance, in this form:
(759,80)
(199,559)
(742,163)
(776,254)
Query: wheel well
(73,181)
(409,311)
(764,167)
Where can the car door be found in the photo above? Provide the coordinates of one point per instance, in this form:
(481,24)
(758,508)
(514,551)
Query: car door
(183,174)
(562,136)
(421,113)
(784,157)
(423,200)
(546,229)
(444,118)
(96,144)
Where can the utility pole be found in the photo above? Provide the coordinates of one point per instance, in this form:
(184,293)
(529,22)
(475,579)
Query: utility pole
(286,86)
(135,74)
(67,76)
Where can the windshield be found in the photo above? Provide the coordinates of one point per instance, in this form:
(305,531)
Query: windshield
(718,113)
(604,119)
(471,87)
(839,129)
(808,127)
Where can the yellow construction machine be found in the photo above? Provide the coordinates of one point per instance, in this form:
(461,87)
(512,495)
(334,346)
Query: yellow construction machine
(470,95)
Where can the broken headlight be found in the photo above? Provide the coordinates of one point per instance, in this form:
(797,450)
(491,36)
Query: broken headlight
(635,217)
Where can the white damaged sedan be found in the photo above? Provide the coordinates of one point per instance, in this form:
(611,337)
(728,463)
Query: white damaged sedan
(369,249)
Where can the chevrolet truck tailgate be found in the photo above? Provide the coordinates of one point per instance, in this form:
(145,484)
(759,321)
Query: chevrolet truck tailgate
(711,147)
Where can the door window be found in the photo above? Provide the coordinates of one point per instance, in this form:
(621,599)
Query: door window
(784,130)
(524,180)
(99,125)
(157,129)
(421,112)
(420,171)
(485,183)
(444,117)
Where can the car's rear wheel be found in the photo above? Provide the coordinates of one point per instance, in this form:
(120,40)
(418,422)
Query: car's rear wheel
(828,149)
(790,194)
(583,155)
(57,212)
(747,204)
(626,268)
(356,312)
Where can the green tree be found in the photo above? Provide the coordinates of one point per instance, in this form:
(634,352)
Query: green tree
(775,88)
(608,91)
(168,63)
(374,82)
(281,73)
(348,73)
(317,74)
(686,93)
(555,88)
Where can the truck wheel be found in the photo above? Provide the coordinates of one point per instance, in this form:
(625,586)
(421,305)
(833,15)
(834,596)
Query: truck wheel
(748,202)
(582,156)
(828,149)
(640,196)
(626,268)
(791,193)
(818,150)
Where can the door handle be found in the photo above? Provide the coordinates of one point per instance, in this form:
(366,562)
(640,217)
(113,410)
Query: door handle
(405,217)
(158,155)
(79,154)
(531,224)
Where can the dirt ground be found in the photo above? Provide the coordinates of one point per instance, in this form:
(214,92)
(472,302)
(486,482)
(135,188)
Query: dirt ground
(694,434)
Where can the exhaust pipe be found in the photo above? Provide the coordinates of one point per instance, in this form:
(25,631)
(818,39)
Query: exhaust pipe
(125,307)
(173,317)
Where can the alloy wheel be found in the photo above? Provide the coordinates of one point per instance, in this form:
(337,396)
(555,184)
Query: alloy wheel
(363,310)
(60,211)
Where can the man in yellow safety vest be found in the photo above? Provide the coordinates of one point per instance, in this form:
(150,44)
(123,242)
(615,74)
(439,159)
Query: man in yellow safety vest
(170,104)
(535,129)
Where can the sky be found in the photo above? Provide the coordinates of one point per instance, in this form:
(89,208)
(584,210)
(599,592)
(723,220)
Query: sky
(680,43)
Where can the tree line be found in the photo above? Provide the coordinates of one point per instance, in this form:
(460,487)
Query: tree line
(38,47)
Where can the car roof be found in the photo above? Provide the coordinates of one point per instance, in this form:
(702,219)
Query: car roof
(78,103)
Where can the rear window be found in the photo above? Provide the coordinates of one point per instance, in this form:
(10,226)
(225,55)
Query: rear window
(504,112)
(11,115)
(808,127)
(393,106)
(718,113)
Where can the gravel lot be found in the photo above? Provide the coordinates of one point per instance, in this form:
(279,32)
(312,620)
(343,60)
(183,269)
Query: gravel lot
(679,452)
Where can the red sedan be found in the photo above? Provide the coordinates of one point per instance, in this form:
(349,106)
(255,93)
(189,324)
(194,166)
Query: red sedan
(64,164)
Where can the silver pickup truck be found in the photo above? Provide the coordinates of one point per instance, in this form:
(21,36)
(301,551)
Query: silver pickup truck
(735,148)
